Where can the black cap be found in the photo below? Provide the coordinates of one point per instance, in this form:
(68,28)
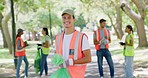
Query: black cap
(19,30)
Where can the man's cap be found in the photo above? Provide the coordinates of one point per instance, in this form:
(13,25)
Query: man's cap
(68,11)
(19,30)
(102,20)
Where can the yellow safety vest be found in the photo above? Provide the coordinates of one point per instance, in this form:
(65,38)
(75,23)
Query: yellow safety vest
(44,49)
(129,50)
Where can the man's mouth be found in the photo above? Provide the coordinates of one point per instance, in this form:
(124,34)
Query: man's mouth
(66,23)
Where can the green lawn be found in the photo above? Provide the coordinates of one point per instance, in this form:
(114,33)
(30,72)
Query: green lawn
(30,52)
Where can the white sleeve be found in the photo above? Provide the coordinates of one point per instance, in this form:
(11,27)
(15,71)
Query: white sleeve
(85,43)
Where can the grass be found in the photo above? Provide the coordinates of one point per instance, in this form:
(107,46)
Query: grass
(117,51)
(30,52)
(4,53)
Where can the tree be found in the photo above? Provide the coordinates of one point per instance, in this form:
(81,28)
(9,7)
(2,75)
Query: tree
(87,4)
(5,45)
(5,28)
(119,19)
(137,17)
(80,22)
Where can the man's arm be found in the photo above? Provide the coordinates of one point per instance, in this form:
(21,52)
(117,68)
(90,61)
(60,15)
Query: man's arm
(85,59)
(109,36)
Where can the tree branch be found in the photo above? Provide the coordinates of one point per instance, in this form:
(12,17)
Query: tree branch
(1,16)
(146,4)
(129,11)
(141,7)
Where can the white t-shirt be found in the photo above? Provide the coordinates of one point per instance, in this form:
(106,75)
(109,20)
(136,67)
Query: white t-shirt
(66,44)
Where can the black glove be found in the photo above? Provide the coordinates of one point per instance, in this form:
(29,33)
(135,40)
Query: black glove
(39,44)
(121,43)
(26,43)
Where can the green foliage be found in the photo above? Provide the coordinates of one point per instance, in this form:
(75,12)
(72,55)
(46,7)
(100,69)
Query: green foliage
(25,6)
(146,18)
(80,22)
(1,6)
(38,12)
(41,19)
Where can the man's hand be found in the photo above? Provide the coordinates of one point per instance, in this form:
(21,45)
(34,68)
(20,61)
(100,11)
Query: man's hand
(67,63)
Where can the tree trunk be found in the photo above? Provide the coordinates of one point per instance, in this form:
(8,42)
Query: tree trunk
(141,33)
(118,36)
(146,2)
(5,45)
(29,39)
(113,26)
(33,35)
(5,26)
(4,40)
(36,38)
(119,21)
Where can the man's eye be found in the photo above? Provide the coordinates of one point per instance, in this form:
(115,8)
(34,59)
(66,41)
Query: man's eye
(64,17)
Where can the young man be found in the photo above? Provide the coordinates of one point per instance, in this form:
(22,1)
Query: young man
(101,42)
(73,46)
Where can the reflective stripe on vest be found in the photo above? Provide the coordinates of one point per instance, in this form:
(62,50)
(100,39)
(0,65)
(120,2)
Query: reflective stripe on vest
(129,50)
(44,49)
(98,35)
(78,70)
(22,51)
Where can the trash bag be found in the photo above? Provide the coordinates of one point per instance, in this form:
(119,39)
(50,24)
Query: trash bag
(37,60)
(62,72)
(57,60)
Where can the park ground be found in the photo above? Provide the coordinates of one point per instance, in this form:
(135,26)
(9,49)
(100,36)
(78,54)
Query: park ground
(7,69)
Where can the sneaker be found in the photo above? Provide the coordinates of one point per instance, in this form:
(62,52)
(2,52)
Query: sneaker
(39,76)
(27,77)
(112,76)
(101,77)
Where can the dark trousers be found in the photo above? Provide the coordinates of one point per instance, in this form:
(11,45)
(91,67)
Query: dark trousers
(43,64)
(105,53)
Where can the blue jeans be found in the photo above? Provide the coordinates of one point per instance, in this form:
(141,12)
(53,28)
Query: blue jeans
(43,64)
(19,62)
(129,66)
(105,53)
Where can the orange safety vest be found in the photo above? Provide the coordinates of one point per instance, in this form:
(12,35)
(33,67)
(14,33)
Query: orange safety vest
(77,70)
(98,35)
(22,51)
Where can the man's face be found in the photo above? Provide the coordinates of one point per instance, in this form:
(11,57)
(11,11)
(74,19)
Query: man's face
(103,24)
(68,20)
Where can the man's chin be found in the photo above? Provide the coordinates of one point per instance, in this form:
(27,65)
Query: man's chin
(67,26)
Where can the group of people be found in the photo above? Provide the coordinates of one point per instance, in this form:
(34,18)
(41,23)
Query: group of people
(75,49)
(21,53)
